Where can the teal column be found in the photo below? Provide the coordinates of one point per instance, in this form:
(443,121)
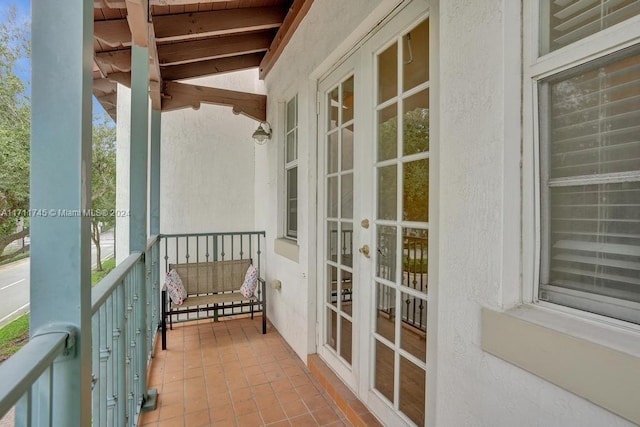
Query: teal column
(154,218)
(62,48)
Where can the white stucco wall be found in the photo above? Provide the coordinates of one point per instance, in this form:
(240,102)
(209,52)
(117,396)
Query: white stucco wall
(207,164)
(479,176)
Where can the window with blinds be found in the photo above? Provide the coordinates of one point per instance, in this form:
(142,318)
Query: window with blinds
(566,21)
(590,171)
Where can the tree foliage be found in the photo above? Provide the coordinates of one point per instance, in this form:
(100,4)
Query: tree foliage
(103,199)
(15,114)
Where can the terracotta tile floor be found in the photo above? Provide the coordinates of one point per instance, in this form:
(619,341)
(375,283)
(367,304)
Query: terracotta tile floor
(228,374)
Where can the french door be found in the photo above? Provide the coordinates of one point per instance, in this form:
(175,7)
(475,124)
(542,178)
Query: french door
(374,208)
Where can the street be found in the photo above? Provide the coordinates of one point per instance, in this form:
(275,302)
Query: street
(14,281)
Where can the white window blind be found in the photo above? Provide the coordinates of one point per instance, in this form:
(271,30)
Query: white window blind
(566,21)
(591,187)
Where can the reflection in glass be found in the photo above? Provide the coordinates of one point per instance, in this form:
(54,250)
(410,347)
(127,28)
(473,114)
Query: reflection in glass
(332,197)
(388,73)
(347,148)
(346,339)
(385,373)
(347,100)
(292,201)
(387,192)
(415,128)
(347,196)
(346,292)
(412,391)
(385,311)
(291,146)
(334,107)
(415,44)
(332,285)
(332,153)
(291,114)
(388,133)
(332,241)
(415,191)
(415,259)
(413,332)
(386,252)
(347,244)
(332,329)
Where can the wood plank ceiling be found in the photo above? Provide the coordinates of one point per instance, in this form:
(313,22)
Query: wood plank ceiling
(188,39)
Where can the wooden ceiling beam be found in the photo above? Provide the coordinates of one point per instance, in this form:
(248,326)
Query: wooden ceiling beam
(119,59)
(122,78)
(218,47)
(155,78)
(210,67)
(295,15)
(181,95)
(138,18)
(121,4)
(218,22)
(104,85)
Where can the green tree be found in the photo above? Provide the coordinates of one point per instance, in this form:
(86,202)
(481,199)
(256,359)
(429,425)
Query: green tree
(103,200)
(15,114)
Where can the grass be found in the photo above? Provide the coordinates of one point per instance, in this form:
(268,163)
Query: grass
(16,334)
(13,336)
(18,257)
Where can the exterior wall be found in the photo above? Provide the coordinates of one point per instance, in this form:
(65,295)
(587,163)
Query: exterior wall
(207,164)
(480,224)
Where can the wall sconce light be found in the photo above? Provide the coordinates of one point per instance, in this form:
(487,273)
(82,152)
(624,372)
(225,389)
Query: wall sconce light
(262,135)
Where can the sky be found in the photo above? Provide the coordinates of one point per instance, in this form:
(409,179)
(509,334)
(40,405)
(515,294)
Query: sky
(23,69)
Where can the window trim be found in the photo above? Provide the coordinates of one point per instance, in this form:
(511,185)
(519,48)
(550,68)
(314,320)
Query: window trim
(288,166)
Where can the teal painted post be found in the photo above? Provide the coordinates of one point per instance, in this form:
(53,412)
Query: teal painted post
(156,126)
(62,64)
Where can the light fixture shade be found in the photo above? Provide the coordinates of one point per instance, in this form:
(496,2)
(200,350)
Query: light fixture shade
(262,135)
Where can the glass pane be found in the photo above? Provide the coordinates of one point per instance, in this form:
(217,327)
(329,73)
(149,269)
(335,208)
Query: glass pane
(388,133)
(333,107)
(385,372)
(346,339)
(387,192)
(565,22)
(595,240)
(415,192)
(414,329)
(415,128)
(347,148)
(332,197)
(347,196)
(594,120)
(388,73)
(291,114)
(332,241)
(332,153)
(332,285)
(386,311)
(292,202)
(346,292)
(415,69)
(346,247)
(415,259)
(412,391)
(332,329)
(386,252)
(347,100)
(291,146)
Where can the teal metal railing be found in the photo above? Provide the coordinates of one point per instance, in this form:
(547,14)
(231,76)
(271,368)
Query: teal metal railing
(124,328)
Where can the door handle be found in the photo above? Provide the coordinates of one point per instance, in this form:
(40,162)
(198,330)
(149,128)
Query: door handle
(364,250)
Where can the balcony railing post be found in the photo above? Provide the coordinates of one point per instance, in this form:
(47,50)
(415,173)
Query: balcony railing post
(60,196)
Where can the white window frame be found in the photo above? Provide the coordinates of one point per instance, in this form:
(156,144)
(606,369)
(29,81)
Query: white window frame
(562,345)
(288,232)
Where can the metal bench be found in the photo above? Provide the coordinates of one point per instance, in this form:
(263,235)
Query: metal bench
(213,287)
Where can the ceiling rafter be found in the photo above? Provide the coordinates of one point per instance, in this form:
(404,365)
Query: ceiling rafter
(182,95)
(218,22)
(295,15)
(120,4)
(211,67)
